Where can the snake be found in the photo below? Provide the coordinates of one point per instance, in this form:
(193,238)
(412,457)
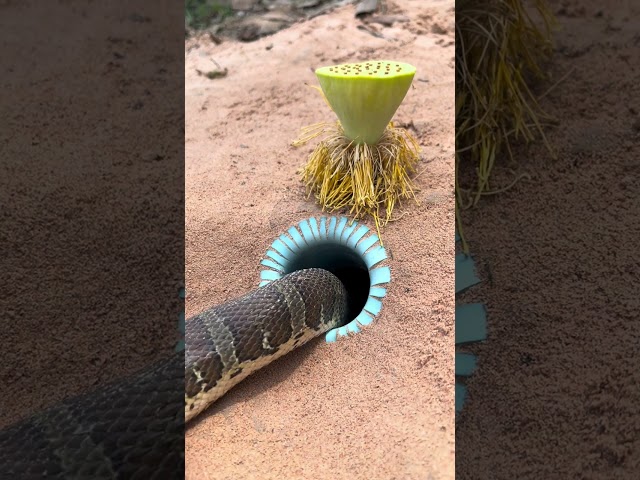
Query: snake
(133,428)
(229,342)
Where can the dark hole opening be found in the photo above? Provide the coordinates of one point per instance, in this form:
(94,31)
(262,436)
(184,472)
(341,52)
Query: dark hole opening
(345,264)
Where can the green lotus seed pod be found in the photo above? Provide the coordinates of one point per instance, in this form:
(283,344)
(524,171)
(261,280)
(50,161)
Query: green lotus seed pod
(365,95)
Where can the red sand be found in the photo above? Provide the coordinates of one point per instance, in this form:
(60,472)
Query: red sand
(556,392)
(380,404)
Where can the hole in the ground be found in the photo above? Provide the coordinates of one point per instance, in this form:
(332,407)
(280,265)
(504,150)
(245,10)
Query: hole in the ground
(345,264)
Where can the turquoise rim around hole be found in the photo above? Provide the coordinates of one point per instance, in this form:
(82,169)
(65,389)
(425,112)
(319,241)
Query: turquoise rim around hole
(345,237)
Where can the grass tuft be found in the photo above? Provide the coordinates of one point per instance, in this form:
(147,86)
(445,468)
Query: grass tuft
(366,179)
(500,49)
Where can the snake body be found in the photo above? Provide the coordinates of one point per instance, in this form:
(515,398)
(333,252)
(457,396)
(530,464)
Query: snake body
(134,428)
(130,429)
(229,342)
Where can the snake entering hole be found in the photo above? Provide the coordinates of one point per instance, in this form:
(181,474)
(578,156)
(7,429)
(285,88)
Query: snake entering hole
(345,264)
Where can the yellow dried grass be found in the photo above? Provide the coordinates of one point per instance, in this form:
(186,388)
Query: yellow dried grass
(366,179)
(499,49)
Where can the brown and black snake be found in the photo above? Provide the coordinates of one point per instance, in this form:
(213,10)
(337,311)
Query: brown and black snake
(134,428)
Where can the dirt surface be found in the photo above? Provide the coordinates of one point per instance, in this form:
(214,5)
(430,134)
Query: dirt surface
(556,393)
(380,404)
(90,227)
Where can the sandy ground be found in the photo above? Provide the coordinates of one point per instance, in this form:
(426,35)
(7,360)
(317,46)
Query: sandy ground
(556,394)
(90,225)
(381,404)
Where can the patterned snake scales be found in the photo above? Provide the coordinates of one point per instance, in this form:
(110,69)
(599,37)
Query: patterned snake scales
(229,342)
(132,429)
